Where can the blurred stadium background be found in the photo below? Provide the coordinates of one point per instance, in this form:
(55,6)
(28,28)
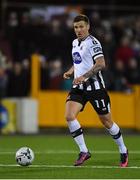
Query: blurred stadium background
(35,50)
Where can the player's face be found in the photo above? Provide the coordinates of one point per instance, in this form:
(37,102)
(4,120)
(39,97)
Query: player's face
(81,29)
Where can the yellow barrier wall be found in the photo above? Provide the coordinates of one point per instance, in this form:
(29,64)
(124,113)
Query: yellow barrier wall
(52,109)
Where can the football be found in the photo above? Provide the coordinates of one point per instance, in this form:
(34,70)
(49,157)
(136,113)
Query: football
(24,156)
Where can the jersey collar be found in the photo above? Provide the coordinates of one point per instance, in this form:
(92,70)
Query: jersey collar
(80,40)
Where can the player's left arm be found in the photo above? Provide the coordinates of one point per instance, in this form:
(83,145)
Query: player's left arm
(98,66)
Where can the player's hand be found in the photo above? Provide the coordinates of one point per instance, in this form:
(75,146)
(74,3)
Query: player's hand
(79,80)
(67,75)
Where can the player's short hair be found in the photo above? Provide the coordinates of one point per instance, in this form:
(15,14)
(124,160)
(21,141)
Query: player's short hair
(81,17)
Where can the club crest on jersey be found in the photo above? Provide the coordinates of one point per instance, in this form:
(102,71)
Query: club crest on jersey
(97,49)
(76,58)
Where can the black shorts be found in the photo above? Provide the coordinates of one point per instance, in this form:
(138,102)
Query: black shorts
(99,99)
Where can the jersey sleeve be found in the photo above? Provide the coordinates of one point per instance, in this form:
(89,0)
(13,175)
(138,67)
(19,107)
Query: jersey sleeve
(95,49)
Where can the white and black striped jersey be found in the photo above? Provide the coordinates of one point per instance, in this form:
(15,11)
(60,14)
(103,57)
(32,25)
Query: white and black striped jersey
(84,54)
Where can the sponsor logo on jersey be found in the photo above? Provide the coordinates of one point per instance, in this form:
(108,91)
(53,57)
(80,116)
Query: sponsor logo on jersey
(76,58)
(97,49)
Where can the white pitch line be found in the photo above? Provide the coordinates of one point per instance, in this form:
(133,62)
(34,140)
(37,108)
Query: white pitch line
(69,166)
(70,152)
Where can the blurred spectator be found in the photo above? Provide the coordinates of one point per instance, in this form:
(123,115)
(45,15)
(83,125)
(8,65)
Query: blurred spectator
(5,48)
(2,60)
(3,83)
(96,25)
(108,48)
(12,32)
(13,19)
(17,82)
(26,71)
(3,76)
(136,28)
(118,29)
(133,72)
(136,48)
(120,81)
(124,52)
(56,74)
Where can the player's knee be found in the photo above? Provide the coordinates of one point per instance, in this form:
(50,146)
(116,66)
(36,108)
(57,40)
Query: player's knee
(106,121)
(69,116)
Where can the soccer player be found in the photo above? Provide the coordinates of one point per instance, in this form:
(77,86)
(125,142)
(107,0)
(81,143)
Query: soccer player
(88,85)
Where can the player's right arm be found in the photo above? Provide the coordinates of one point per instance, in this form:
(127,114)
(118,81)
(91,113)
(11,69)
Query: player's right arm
(69,73)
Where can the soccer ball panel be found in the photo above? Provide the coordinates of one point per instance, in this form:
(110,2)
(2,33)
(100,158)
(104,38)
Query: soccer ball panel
(24,156)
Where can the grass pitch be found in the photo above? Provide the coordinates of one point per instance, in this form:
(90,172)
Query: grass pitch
(55,155)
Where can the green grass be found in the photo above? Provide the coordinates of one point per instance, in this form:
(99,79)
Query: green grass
(55,154)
